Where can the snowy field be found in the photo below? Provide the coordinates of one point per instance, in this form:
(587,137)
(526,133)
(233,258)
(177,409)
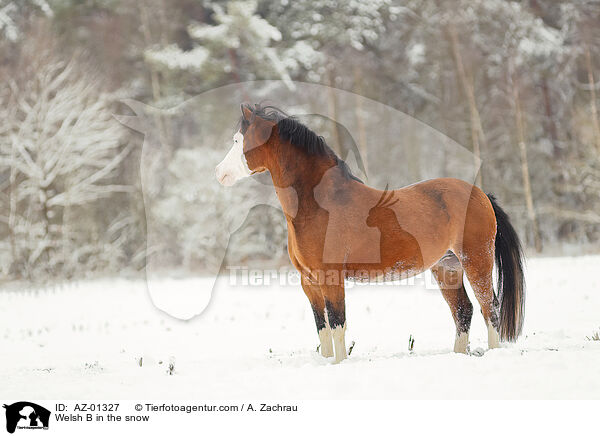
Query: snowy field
(85,341)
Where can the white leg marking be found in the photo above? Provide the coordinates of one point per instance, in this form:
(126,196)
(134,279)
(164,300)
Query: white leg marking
(326,343)
(339,342)
(234,166)
(461,343)
(493,337)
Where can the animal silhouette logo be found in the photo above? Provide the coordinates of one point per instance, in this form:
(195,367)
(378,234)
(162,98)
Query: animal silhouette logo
(26,415)
(183,199)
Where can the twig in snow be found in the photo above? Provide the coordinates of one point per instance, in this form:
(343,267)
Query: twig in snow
(595,337)
(351,347)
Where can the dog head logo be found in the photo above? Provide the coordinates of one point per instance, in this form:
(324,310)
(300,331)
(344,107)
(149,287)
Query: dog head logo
(26,415)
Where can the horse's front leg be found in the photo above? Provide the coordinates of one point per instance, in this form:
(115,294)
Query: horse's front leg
(317,303)
(335,305)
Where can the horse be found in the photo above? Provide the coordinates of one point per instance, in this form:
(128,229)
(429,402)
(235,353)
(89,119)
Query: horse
(340,229)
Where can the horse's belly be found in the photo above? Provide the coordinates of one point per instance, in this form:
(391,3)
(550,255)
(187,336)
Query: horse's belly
(398,270)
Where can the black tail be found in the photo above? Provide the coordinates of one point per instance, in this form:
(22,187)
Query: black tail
(511,283)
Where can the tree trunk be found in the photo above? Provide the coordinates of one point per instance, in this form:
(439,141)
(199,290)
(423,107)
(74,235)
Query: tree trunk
(233,59)
(12,214)
(443,107)
(593,106)
(65,234)
(333,112)
(154,79)
(46,253)
(360,122)
(148,41)
(477,136)
(550,121)
(525,166)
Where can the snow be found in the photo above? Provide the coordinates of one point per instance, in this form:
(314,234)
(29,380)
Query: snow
(85,340)
(174,58)
(416,53)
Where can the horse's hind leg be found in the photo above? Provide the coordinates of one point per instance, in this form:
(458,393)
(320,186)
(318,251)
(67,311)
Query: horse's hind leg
(476,255)
(448,272)
(478,268)
(317,303)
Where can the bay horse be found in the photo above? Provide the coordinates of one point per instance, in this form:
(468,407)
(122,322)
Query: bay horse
(341,229)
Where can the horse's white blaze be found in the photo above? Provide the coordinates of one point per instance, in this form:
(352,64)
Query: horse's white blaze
(234,166)
(326,344)
(339,342)
(461,343)
(493,337)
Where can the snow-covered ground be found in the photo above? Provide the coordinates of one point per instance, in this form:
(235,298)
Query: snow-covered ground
(85,341)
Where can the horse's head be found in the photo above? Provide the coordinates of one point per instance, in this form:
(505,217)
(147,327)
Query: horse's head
(382,212)
(250,151)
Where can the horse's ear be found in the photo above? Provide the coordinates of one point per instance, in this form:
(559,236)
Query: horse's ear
(246,111)
(263,129)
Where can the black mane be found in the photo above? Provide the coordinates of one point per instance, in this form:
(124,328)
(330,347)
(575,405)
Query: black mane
(293,131)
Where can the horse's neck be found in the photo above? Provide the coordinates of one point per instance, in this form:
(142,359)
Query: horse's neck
(300,184)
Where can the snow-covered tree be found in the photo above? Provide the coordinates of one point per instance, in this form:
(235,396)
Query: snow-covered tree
(12,13)
(60,150)
(237,43)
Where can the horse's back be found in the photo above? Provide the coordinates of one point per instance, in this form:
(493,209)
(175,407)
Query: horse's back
(451,196)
